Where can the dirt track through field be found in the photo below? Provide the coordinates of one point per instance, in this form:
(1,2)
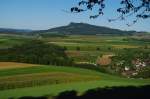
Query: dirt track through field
(11,65)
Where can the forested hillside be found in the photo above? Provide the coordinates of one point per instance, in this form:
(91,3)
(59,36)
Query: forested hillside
(36,52)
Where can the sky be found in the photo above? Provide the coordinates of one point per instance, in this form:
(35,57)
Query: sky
(45,14)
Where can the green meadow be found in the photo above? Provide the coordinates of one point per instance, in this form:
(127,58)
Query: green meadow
(81,80)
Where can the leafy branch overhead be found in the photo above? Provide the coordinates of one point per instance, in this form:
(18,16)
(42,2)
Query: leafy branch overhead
(140,9)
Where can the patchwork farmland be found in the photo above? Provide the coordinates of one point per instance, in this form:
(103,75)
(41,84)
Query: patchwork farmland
(26,79)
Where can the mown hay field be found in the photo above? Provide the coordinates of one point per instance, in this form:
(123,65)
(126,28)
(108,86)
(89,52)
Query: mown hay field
(10,65)
(38,79)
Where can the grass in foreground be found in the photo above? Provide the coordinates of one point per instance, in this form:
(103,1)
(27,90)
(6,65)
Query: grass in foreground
(54,89)
(39,79)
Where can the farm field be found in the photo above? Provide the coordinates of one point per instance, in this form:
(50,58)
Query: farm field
(83,48)
(7,41)
(51,80)
(11,65)
(72,41)
(88,48)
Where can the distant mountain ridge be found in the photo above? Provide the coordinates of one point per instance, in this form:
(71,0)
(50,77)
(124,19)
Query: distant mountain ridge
(72,29)
(14,31)
(86,29)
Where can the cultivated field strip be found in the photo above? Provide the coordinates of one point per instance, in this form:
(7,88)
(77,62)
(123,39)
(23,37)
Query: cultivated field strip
(30,80)
(11,65)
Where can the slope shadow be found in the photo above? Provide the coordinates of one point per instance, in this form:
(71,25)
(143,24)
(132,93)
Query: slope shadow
(110,92)
(129,92)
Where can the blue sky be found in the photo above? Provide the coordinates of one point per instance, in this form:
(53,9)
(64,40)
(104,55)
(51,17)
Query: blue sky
(45,14)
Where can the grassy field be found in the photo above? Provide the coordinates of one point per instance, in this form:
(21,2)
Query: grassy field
(95,41)
(7,41)
(52,90)
(51,80)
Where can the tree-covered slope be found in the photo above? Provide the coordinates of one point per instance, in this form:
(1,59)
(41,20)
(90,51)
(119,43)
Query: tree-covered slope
(36,52)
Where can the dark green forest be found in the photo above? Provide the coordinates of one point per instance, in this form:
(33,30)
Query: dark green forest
(36,52)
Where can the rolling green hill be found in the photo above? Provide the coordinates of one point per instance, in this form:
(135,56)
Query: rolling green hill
(58,80)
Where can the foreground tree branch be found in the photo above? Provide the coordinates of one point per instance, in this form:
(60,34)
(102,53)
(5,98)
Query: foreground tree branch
(140,9)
